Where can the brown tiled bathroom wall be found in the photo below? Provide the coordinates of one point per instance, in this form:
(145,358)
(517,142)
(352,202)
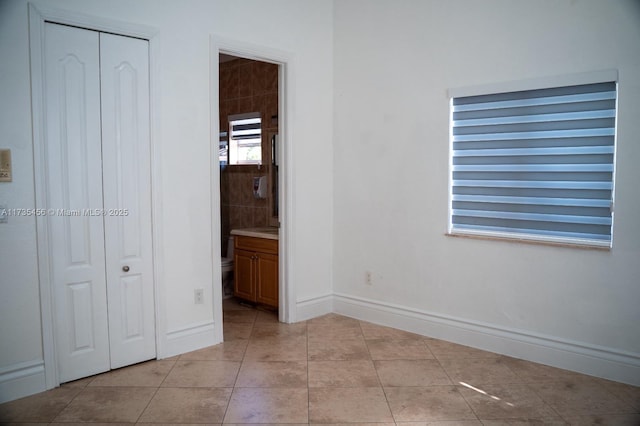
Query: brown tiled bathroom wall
(246,86)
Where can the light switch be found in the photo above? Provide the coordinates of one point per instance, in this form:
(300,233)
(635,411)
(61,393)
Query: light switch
(5,165)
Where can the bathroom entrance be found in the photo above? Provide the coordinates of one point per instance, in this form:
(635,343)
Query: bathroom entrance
(248,154)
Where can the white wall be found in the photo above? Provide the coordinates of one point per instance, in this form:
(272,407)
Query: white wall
(393,64)
(19,294)
(183,140)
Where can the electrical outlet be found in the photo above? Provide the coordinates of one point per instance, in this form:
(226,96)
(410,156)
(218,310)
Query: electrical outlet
(198,296)
(368,279)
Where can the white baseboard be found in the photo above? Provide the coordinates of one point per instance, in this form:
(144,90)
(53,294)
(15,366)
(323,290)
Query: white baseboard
(21,380)
(187,339)
(549,350)
(314,307)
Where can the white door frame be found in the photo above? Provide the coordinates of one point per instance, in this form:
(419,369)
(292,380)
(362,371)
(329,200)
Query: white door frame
(37,18)
(285,62)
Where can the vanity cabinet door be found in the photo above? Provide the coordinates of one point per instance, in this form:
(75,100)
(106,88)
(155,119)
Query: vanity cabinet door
(267,279)
(244,281)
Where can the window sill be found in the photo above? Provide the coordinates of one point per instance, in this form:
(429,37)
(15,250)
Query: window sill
(516,240)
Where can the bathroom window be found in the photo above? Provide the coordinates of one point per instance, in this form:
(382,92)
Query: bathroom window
(535,164)
(245,139)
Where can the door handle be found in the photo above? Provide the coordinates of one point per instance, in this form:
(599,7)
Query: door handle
(125,268)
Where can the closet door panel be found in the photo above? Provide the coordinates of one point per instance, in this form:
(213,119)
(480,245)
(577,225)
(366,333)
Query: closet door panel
(74,185)
(127,198)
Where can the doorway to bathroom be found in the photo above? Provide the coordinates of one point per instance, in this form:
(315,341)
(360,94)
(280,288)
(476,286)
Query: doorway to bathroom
(249,158)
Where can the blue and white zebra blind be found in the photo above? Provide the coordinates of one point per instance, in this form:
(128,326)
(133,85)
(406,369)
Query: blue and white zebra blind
(535,164)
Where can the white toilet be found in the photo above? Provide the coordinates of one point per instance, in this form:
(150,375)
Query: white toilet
(227,270)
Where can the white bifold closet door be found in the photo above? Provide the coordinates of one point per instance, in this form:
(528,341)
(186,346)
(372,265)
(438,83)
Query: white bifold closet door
(99,198)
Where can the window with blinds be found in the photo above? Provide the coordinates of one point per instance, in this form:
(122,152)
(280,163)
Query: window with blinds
(245,139)
(535,164)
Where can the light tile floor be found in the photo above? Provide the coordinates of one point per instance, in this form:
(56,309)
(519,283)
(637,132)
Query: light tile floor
(331,369)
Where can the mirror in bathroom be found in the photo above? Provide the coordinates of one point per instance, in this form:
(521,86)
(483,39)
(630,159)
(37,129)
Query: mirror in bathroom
(273,180)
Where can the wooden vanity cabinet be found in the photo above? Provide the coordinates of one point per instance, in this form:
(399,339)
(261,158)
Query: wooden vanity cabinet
(256,270)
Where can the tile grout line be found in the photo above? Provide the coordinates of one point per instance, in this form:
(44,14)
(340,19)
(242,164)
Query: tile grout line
(72,399)
(148,403)
(456,387)
(535,392)
(384,391)
(242,361)
(157,389)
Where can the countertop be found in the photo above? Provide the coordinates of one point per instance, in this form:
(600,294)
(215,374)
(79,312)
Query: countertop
(269,233)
